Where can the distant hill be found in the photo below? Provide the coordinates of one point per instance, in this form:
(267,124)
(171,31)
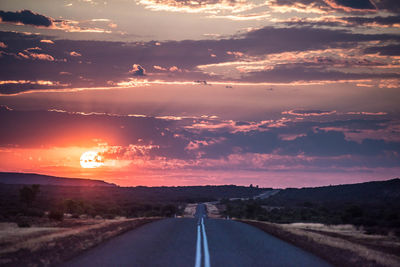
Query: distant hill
(32,178)
(364,193)
(373,205)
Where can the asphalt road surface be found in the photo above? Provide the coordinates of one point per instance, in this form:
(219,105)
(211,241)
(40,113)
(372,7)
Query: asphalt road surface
(196,242)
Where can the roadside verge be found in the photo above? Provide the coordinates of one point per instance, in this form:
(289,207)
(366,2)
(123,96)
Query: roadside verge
(338,249)
(65,243)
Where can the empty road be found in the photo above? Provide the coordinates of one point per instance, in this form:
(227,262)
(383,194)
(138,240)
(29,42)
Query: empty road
(196,242)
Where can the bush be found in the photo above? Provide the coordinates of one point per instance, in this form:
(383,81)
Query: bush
(28,194)
(56,215)
(23,223)
(33,212)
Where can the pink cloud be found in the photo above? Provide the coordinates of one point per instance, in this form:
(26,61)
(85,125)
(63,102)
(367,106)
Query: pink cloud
(159,68)
(75,54)
(308,113)
(47,41)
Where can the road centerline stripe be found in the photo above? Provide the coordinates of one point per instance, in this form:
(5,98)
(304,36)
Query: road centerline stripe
(205,245)
(198,247)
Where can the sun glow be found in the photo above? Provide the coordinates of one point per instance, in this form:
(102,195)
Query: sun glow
(91,159)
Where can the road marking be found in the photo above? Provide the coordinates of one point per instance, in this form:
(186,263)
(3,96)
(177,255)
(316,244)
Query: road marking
(198,247)
(205,245)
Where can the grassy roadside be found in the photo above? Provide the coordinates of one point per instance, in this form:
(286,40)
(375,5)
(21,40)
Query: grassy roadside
(41,246)
(341,247)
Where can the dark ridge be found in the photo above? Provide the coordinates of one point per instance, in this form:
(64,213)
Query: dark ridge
(33,178)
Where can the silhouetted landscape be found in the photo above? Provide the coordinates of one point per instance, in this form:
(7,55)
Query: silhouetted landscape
(373,205)
(33,178)
(364,214)
(66,195)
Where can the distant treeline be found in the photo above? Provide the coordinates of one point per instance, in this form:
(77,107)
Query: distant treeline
(18,201)
(373,205)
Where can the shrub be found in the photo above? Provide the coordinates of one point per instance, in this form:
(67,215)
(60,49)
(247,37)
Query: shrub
(33,212)
(23,223)
(56,215)
(28,194)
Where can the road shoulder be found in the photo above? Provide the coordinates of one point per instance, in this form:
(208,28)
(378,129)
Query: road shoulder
(338,250)
(65,243)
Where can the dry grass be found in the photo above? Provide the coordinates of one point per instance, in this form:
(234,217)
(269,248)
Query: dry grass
(22,246)
(190,210)
(212,210)
(342,245)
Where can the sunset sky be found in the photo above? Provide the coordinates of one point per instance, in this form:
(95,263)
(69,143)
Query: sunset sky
(281,93)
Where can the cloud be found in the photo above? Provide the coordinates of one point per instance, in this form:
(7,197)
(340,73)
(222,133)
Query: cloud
(307,113)
(323,6)
(10,87)
(26,17)
(386,50)
(137,70)
(155,143)
(388,5)
(159,68)
(206,6)
(351,6)
(258,56)
(47,41)
(377,22)
(28,54)
(74,54)
(330,6)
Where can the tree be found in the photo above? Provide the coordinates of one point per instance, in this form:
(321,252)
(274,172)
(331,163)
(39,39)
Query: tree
(28,194)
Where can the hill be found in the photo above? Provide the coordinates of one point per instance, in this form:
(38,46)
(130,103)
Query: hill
(372,205)
(363,193)
(32,178)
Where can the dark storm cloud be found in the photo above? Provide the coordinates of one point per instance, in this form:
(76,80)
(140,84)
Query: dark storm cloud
(26,17)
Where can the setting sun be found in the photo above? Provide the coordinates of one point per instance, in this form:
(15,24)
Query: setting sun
(91,159)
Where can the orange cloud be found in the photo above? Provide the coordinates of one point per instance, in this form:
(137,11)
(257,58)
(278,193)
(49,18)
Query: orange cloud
(75,54)
(389,83)
(31,55)
(159,68)
(47,41)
